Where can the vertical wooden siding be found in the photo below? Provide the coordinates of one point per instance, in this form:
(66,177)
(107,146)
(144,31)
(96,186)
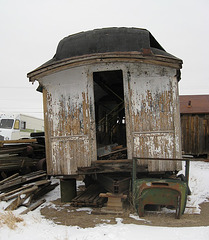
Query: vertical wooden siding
(195,133)
(68,119)
(153,115)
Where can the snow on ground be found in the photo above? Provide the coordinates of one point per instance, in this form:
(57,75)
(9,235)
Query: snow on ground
(35,226)
(199,186)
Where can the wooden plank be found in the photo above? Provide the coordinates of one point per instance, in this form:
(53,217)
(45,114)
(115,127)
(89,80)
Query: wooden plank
(112,195)
(18,141)
(113,152)
(23,179)
(2,196)
(29,200)
(90,197)
(13,150)
(35,173)
(35,177)
(34,206)
(47,128)
(130,160)
(42,190)
(10,195)
(9,178)
(42,182)
(11,184)
(111,161)
(13,162)
(19,200)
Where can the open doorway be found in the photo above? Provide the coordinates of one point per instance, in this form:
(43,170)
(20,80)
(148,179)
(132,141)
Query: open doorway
(110,114)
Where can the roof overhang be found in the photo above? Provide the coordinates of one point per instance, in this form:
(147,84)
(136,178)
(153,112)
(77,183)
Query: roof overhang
(107,45)
(134,57)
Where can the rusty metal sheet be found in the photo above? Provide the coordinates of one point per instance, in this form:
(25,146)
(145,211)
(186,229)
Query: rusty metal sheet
(166,192)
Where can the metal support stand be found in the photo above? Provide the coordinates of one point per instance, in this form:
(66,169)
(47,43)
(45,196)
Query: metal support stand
(187,174)
(68,189)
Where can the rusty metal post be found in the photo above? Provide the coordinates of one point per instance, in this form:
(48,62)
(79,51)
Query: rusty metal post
(68,189)
(187,173)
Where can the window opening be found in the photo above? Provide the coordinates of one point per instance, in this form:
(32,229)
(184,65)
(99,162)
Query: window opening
(110,115)
(17,124)
(23,125)
(6,123)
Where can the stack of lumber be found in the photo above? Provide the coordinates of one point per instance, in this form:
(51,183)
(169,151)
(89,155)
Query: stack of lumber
(26,190)
(19,154)
(90,197)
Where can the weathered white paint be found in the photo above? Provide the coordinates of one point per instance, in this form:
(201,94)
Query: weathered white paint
(151,108)
(153,113)
(68,118)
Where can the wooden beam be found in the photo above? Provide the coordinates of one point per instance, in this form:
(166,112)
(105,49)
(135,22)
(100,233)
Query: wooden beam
(112,161)
(34,206)
(18,141)
(9,178)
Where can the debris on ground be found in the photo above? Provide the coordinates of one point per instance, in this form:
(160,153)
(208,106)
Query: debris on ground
(26,190)
(89,197)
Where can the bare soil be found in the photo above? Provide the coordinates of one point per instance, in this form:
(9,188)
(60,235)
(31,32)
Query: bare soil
(65,214)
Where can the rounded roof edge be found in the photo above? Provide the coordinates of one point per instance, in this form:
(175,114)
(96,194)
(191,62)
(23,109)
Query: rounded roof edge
(115,41)
(108,40)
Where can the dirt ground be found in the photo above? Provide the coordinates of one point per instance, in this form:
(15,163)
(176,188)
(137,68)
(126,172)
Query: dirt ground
(64,214)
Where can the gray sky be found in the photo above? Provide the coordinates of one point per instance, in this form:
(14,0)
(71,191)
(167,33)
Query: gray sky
(31,30)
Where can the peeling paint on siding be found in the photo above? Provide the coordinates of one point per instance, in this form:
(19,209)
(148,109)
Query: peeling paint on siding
(69,122)
(153,115)
(151,108)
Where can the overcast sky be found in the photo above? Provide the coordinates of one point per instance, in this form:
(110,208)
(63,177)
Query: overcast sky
(32,29)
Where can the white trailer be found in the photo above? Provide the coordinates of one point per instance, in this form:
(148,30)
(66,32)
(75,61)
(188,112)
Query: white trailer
(18,126)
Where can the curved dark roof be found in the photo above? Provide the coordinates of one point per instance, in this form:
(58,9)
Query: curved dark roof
(135,41)
(108,40)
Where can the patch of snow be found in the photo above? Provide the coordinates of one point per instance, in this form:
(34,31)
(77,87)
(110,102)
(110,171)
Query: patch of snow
(199,186)
(105,220)
(85,209)
(54,194)
(118,220)
(35,226)
(79,183)
(136,217)
(70,210)
(52,205)
(3,205)
(67,205)
(167,210)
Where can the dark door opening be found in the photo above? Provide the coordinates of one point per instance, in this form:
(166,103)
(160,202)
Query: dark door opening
(110,113)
